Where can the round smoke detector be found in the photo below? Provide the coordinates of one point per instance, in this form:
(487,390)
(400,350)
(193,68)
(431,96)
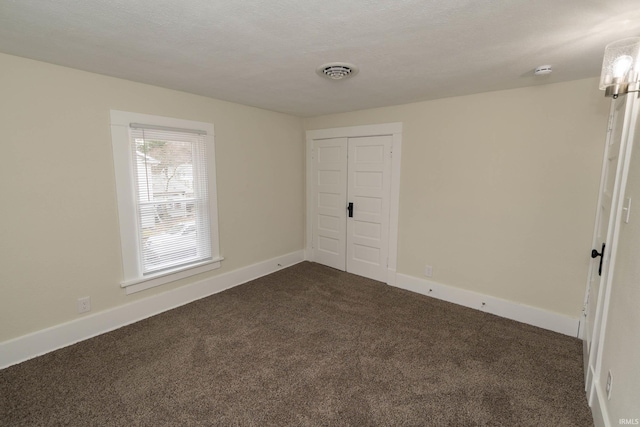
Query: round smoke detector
(337,70)
(543,70)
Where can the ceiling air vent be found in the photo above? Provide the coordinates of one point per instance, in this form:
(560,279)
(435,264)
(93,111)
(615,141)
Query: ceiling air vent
(337,70)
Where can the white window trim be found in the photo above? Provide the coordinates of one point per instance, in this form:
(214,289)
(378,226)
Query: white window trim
(133,280)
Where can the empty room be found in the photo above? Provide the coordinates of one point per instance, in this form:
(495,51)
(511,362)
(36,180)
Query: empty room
(320,213)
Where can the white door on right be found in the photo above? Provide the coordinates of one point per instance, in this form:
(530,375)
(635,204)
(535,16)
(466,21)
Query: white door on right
(368,193)
(615,165)
(603,216)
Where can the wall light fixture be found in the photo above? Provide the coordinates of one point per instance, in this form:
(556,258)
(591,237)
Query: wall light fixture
(621,67)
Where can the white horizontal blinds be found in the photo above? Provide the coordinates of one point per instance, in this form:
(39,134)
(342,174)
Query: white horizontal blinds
(170,178)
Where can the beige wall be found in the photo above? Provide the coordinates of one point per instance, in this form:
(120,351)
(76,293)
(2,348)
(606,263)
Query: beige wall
(498,190)
(59,237)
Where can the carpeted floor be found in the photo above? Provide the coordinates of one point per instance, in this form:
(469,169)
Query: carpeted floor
(306,346)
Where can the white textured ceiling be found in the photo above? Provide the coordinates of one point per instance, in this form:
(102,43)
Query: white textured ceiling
(265,53)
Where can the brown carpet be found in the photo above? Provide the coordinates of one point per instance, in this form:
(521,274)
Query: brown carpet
(307,346)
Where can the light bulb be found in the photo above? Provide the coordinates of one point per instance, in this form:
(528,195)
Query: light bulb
(621,66)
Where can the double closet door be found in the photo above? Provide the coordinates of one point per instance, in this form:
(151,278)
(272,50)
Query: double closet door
(351,180)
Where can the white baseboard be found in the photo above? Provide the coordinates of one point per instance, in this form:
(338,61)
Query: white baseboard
(581,327)
(46,340)
(588,374)
(500,307)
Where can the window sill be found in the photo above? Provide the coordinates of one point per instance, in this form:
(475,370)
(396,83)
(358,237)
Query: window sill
(140,284)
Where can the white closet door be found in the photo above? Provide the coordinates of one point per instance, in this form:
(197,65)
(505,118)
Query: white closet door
(603,217)
(621,134)
(369,182)
(330,201)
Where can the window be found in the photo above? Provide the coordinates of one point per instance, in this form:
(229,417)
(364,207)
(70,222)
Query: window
(165,178)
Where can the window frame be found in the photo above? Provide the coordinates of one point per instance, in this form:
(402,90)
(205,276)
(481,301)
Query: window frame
(134,280)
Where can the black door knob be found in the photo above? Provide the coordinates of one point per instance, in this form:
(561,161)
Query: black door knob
(595,254)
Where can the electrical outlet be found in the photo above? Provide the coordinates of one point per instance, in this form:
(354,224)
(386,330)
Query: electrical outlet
(84,304)
(428,270)
(609,385)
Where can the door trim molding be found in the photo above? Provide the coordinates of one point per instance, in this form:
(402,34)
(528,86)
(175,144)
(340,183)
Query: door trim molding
(392,129)
(599,407)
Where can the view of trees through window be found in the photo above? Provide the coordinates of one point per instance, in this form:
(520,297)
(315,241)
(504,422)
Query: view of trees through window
(167,201)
